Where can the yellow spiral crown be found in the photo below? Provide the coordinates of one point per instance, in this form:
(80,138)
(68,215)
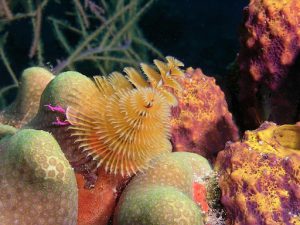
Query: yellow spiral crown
(127,124)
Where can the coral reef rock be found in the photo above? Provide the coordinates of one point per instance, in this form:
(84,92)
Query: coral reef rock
(38,185)
(259,177)
(26,104)
(201,123)
(152,194)
(269,62)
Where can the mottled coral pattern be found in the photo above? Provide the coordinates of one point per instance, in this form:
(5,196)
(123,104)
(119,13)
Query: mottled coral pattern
(158,205)
(259,177)
(167,170)
(169,175)
(38,185)
(95,205)
(63,91)
(201,123)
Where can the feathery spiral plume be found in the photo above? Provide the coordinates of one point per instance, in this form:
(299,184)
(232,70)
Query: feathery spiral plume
(127,124)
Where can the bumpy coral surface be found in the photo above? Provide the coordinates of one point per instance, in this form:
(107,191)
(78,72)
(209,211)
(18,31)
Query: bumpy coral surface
(259,177)
(270,45)
(38,185)
(95,205)
(64,91)
(169,175)
(158,205)
(25,107)
(201,122)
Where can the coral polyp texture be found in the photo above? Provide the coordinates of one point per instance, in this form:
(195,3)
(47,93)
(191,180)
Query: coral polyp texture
(150,197)
(269,61)
(38,185)
(201,123)
(259,177)
(159,205)
(126,123)
(25,107)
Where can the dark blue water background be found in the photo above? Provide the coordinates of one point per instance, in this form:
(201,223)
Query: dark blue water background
(200,33)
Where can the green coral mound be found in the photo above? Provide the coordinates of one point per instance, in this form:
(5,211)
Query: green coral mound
(64,91)
(178,169)
(200,166)
(66,88)
(38,185)
(158,205)
(6,130)
(164,193)
(167,170)
(24,108)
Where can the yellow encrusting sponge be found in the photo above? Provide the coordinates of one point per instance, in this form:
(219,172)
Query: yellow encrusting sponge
(127,124)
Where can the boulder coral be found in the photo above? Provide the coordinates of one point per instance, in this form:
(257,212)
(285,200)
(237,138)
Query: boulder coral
(259,176)
(76,110)
(66,90)
(38,185)
(201,123)
(95,205)
(158,205)
(24,108)
(150,197)
(269,62)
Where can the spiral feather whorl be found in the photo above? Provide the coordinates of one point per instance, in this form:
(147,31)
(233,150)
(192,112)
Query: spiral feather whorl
(128,124)
(133,130)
